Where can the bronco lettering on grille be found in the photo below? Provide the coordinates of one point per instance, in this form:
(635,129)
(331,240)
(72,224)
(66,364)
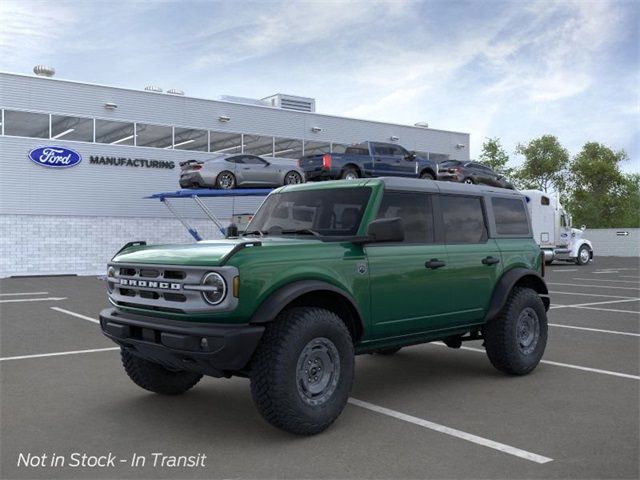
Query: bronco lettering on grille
(146,283)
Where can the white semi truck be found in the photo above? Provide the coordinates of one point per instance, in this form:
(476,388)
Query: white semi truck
(552,230)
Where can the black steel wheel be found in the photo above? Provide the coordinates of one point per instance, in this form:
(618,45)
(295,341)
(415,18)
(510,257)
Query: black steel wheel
(302,371)
(226,180)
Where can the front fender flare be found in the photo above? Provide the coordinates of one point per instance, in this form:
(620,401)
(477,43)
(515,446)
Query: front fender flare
(527,277)
(279,299)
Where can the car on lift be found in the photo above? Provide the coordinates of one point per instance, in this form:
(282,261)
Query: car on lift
(471,173)
(368,159)
(243,170)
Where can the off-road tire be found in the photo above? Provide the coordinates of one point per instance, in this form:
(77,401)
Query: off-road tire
(156,378)
(427,176)
(388,351)
(275,385)
(501,334)
(349,173)
(579,260)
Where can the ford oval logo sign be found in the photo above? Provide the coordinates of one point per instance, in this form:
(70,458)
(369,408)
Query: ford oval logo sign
(55,157)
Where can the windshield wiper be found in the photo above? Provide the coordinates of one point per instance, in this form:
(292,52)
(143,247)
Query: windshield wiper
(255,232)
(302,231)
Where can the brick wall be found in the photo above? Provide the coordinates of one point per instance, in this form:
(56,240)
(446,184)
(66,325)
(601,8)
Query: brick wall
(46,245)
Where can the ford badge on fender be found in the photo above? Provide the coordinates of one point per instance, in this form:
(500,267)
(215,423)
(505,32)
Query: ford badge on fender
(55,157)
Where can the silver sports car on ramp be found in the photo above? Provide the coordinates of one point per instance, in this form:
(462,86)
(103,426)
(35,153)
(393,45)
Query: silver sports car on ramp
(242,170)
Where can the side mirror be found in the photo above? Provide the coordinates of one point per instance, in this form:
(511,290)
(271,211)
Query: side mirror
(232,231)
(583,228)
(385,230)
(411,156)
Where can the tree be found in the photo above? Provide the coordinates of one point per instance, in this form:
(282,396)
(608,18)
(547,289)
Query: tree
(494,156)
(544,165)
(600,194)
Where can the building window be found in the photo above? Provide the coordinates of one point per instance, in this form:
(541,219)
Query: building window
(438,157)
(115,133)
(316,148)
(338,147)
(72,128)
(287,148)
(26,124)
(258,145)
(157,136)
(225,143)
(190,139)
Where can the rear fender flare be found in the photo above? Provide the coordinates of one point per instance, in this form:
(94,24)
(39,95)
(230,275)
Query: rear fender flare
(516,277)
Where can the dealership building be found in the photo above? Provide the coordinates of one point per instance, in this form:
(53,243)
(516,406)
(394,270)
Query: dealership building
(127,144)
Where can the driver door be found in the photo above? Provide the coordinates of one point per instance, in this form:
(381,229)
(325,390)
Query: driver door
(255,171)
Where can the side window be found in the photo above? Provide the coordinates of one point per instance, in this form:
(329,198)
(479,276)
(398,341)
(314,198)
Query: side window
(415,211)
(397,151)
(544,200)
(463,219)
(510,215)
(251,160)
(235,159)
(382,150)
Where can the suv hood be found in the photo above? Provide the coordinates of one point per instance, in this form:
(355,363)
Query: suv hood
(204,253)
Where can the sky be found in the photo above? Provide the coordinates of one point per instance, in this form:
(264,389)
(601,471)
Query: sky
(509,69)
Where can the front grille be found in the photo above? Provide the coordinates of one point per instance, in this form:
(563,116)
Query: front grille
(166,288)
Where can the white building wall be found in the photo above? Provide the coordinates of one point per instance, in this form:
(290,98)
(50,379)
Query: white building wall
(54,245)
(612,241)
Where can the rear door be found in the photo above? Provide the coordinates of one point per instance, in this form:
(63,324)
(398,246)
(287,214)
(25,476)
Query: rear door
(474,262)
(406,296)
(383,159)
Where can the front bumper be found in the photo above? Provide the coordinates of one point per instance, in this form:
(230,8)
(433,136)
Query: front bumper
(210,349)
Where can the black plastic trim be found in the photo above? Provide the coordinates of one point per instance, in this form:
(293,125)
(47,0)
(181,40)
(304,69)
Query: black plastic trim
(177,344)
(273,305)
(507,282)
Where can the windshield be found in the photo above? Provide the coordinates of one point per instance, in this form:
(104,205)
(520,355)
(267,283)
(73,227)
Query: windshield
(327,212)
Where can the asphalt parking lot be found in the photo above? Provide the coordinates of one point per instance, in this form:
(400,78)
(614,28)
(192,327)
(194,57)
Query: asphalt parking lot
(427,412)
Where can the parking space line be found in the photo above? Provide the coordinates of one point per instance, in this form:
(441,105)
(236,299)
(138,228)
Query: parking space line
(16,300)
(582,285)
(74,314)
(614,332)
(485,442)
(595,303)
(558,364)
(56,354)
(588,294)
(606,280)
(611,310)
(23,293)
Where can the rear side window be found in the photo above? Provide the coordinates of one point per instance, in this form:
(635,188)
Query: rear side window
(356,151)
(463,219)
(415,211)
(510,215)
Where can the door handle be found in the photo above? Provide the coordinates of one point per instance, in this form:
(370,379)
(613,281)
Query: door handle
(490,260)
(434,263)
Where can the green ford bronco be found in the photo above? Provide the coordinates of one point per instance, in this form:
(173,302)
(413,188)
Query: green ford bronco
(326,271)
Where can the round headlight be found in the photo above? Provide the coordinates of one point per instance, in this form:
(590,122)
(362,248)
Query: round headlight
(217,288)
(111,273)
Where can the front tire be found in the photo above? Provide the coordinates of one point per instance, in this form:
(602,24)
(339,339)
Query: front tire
(516,339)
(584,255)
(302,371)
(225,180)
(155,378)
